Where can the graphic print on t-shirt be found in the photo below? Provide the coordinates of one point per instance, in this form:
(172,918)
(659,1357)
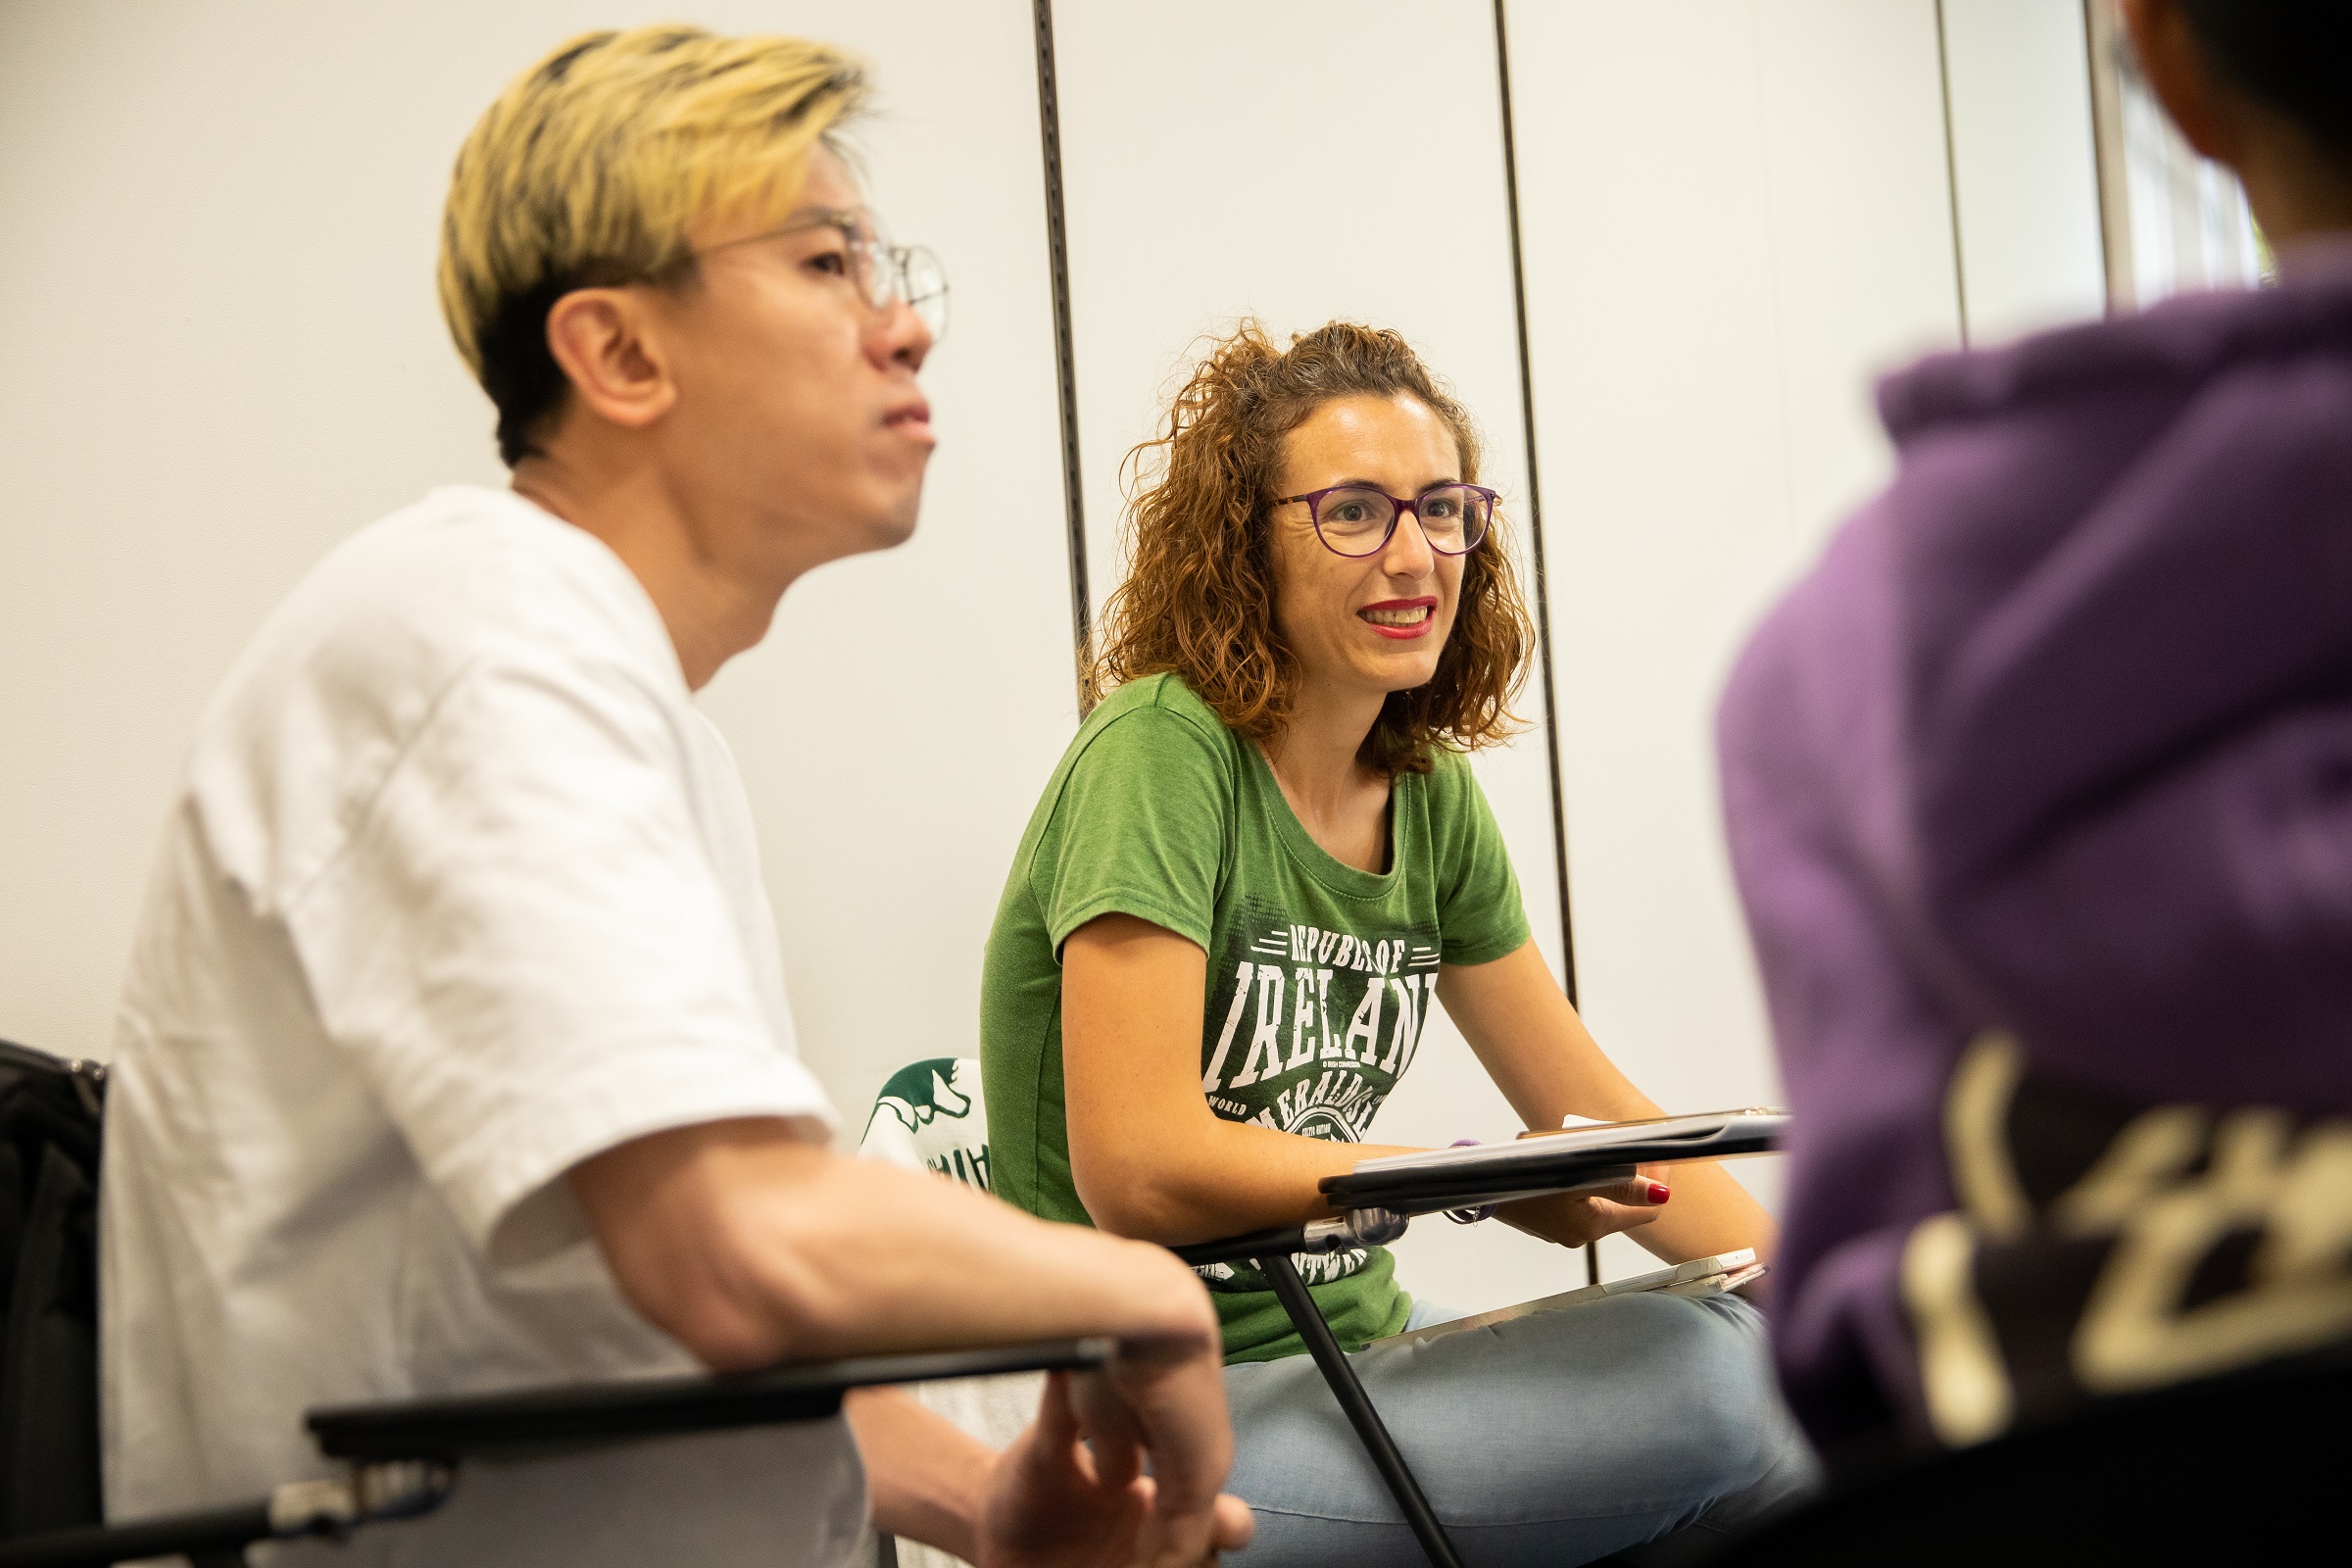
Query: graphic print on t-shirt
(1305,1032)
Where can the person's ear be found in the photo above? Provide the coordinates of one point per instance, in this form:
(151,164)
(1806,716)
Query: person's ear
(610,347)
(2176,73)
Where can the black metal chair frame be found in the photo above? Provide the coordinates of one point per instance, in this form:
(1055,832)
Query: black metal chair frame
(403,1459)
(1379,1206)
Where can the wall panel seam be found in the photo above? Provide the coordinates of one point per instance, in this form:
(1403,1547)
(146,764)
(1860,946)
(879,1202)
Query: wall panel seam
(1535,508)
(1951,168)
(1066,363)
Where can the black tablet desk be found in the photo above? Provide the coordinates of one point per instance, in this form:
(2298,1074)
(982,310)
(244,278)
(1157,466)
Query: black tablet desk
(404,1456)
(1380,1204)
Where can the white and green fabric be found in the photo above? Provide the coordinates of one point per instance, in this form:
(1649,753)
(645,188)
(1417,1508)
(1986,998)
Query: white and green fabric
(930,1115)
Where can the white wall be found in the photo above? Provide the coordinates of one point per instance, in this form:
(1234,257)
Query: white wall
(1738,213)
(2026,177)
(1735,212)
(217,240)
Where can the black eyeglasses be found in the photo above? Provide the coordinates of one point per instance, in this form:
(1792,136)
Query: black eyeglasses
(1354,520)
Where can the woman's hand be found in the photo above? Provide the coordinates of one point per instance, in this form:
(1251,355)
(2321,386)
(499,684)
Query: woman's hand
(1576,1219)
(1549,1067)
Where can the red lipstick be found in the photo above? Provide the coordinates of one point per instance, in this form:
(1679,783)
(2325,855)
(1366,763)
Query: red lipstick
(1402,620)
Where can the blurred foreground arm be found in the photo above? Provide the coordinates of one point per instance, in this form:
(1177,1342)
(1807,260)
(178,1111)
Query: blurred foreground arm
(750,1246)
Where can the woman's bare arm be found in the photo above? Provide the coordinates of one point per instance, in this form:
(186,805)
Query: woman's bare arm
(1150,1158)
(1549,1066)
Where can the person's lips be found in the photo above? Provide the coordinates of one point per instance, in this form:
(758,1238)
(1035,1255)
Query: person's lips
(912,417)
(1401,619)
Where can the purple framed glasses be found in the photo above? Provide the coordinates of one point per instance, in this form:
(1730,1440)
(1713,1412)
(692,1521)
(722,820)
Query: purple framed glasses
(1355,519)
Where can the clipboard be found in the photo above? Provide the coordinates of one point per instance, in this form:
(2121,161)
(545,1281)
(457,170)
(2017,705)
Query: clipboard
(1541,1163)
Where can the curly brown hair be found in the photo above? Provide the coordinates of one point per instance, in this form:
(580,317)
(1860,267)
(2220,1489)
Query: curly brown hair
(1198,599)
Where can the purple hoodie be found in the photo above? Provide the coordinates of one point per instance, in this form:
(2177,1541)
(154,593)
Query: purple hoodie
(2055,740)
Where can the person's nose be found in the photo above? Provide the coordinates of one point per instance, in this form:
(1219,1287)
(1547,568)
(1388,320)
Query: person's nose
(1408,554)
(897,335)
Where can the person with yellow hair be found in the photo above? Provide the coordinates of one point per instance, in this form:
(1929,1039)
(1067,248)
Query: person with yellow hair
(455,1052)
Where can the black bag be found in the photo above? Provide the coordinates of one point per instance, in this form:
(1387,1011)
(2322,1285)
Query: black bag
(49,1140)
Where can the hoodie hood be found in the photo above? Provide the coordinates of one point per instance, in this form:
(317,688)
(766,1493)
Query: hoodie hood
(2055,740)
(2122,572)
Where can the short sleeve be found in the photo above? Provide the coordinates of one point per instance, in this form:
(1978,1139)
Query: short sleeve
(1140,828)
(1480,915)
(525,948)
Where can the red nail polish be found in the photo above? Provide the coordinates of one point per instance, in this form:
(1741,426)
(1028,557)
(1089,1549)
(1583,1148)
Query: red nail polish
(1658,1193)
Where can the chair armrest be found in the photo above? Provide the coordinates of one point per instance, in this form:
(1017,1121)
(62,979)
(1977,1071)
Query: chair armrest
(576,1416)
(1358,1227)
(329,1507)
(403,1452)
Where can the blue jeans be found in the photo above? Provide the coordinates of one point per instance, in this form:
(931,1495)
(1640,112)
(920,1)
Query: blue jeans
(1555,1439)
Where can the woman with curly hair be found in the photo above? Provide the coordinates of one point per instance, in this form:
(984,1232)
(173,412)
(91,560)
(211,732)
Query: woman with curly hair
(1259,865)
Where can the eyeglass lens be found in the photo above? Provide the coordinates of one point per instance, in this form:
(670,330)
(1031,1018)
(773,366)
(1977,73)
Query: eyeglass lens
(923,284)
(887,273)
(1357,522)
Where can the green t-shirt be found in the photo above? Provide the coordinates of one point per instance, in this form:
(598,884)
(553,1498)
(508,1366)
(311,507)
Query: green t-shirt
(1320,974)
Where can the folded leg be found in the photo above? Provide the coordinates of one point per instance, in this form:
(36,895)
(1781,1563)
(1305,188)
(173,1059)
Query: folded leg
(1555,1439)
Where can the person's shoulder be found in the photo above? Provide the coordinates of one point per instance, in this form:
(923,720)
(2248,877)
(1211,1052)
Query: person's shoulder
(469,567)
(1449,768)
(410,601)
(353,663)
(1151,740)
(1461,819)
(1450,780)
(1161,712)
(1164,694)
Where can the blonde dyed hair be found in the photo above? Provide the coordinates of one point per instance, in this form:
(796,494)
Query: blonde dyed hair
(592,165)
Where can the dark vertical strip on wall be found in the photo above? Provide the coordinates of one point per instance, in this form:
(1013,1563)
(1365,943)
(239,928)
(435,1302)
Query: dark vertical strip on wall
(1535,508)
(1066,363)
(1951,169)
(2100,54)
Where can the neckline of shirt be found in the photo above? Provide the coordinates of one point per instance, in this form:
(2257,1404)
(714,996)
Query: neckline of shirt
(650,633)
(1318,862)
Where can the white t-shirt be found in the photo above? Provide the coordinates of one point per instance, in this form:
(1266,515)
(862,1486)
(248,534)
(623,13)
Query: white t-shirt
(460,890)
